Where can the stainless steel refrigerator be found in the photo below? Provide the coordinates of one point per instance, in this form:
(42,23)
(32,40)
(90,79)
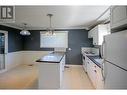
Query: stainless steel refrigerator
(114,52)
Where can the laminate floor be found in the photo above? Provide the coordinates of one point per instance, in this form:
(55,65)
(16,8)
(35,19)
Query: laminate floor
(21,77)
(26,77)
(76,78)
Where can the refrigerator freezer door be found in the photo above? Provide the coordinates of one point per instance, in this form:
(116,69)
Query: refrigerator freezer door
(115,78)
(115,48)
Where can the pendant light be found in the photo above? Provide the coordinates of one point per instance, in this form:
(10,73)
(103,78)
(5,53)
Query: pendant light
(50,30)
(25,32)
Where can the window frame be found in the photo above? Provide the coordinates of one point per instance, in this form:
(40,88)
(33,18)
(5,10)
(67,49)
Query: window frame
(55,32)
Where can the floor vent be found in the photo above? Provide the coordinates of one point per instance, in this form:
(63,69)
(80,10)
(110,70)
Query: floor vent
(66,67)
(30,64)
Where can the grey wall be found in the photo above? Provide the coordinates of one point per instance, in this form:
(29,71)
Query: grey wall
(77,38)
(32,42)
(15,40)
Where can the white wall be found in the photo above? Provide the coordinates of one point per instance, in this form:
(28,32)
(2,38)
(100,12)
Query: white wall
(14,59)
(29,57)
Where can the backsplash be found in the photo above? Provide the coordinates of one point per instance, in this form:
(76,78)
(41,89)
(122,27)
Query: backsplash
(90,49)
(95,50)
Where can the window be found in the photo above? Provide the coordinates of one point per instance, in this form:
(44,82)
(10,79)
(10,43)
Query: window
(59,40)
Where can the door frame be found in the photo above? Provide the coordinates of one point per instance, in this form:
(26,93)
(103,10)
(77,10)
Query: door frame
(6,49)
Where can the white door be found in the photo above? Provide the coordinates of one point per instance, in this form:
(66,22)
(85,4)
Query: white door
(3,49)
(115,48)
(115,77)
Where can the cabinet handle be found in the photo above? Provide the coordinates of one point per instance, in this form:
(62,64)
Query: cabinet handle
(95,71)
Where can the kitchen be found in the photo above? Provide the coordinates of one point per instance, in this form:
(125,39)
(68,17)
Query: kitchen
(55,44)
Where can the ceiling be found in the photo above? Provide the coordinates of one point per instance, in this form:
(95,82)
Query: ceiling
(64,17)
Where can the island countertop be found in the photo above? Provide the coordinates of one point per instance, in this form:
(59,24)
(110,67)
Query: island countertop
(54,57)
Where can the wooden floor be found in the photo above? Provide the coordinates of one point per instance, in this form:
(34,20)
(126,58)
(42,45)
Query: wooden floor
(26,77)
(76,78)
(21,77)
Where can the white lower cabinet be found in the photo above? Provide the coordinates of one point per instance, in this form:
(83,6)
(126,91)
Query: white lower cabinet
(99,79)
(89,69)
(94,73)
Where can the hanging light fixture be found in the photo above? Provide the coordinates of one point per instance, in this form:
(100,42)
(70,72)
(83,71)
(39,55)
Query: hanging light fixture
(25,32)
(50,30)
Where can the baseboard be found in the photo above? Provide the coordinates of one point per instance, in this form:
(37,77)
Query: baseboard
(73,65)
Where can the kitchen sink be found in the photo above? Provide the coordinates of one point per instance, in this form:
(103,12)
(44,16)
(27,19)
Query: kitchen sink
(99,60)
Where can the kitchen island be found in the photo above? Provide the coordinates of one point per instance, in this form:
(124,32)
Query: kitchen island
(51,69)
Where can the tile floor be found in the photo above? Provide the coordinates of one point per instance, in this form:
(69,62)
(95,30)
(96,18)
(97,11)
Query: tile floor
(25,77)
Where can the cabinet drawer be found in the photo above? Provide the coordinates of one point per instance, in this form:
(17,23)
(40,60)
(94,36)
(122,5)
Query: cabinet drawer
(118,16)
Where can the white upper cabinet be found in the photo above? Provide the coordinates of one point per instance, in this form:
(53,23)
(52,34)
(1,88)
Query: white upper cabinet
(98,33)
(90,35)
(118,16)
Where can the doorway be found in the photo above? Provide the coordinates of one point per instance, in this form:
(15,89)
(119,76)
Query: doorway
(3,50)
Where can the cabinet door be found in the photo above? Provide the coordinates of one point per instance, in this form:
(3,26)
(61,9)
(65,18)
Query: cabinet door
(90,35)
(88,65)
(85,63)
(89,71)
(102,31)
(118,16)
(99,79)
(93,74)
(95,36)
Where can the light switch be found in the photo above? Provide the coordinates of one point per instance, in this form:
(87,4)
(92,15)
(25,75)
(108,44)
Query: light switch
(69,49)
